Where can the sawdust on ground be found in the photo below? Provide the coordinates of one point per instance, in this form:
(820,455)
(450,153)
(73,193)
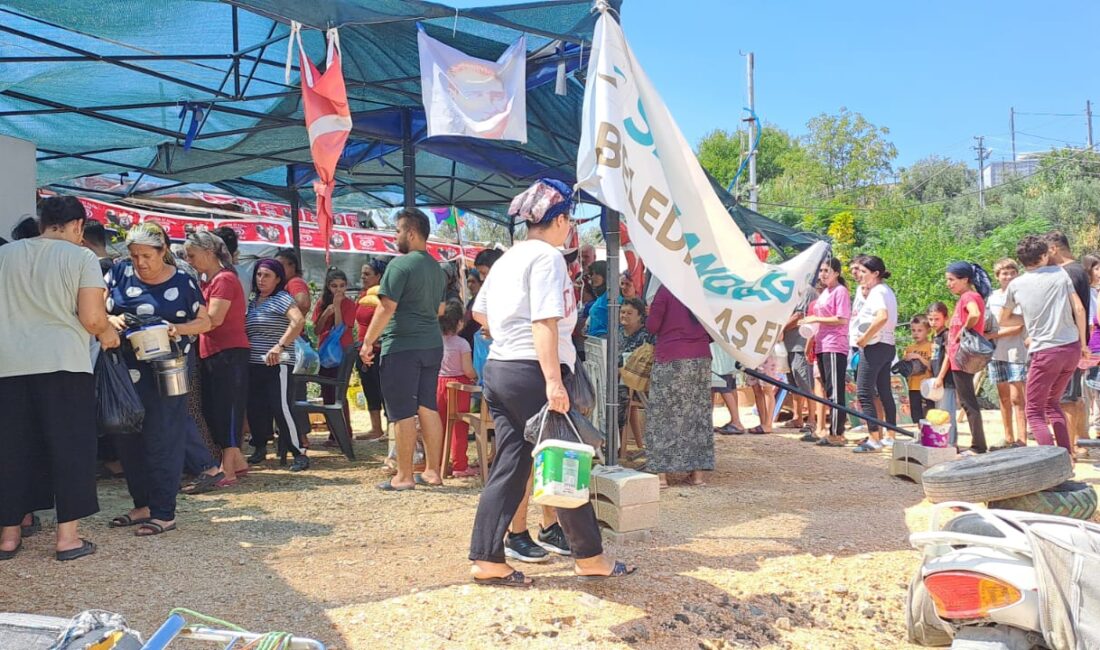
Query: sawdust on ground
(789,546)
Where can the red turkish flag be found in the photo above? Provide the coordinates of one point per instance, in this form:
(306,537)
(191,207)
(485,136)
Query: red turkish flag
(328,120)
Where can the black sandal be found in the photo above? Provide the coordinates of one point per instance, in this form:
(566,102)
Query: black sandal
(513,579)
(758,430)
(85,548)
(32,528)
(158,529)
(7,555)
(620,570)
(203,483)
(125,521)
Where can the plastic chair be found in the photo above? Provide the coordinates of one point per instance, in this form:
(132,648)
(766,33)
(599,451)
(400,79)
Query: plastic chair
(334,413)
(480,423)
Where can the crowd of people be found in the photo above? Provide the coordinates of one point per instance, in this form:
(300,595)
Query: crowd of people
(520,335)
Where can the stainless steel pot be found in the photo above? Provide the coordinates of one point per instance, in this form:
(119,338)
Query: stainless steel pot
(171,375)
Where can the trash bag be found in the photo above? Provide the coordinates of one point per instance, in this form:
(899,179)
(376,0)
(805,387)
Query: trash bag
(582,395)
(572,426)
(119,410)
(308,361)
(331,352)
(974,352)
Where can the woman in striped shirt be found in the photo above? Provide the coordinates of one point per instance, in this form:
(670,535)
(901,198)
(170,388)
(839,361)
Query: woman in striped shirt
(273,322)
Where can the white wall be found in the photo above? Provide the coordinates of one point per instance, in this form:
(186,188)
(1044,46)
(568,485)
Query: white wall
(17,182)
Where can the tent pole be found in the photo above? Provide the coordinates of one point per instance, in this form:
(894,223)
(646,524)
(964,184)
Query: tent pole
(408,158)
(295,213)
(611,421)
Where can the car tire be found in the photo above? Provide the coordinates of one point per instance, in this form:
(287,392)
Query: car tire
(1072,499)
(997,476)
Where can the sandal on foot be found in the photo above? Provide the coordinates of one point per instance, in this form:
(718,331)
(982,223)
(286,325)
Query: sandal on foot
(158,529)
(203,483)
(513,579)
(7,555)
(730,430)
(828,442)
(32,528)
(125,521)
(85,548)
(866,448)
(809,437)
(757,430)
(388,486)
(420,480)
(620,570)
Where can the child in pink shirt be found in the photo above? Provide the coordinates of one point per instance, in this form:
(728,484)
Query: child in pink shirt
(457,365)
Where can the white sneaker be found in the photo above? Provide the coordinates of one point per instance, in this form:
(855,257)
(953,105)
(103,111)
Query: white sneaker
(888,443)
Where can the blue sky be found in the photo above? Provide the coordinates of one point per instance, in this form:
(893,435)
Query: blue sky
(935,73)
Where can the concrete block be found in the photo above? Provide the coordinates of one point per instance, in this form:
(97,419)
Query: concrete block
(616,537)
(623,486)
(627,518)
(924,456)
(906,468)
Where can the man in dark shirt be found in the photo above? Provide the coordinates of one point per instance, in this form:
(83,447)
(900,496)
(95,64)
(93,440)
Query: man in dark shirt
(95,240)
(1073,403)
(406,322)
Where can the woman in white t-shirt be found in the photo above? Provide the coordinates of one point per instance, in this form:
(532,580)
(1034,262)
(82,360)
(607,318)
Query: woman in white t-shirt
(875,322)
(529,305)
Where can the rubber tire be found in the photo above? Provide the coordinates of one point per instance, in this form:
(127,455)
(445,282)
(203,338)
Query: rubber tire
(1072,499)
(998,475)
(921,617)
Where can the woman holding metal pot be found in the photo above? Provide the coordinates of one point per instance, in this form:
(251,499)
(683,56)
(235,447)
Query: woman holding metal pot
(149,284)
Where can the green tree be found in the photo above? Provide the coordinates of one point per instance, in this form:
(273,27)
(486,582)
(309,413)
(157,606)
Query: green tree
(721,153)
(846,152)
(936,178)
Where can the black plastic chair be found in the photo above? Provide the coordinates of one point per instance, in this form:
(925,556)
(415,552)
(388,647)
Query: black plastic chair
(334,413)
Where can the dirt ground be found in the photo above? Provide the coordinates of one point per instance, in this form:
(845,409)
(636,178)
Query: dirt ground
(789,546)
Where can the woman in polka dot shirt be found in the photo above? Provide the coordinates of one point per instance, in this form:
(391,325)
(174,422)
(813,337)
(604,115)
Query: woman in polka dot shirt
(148,284)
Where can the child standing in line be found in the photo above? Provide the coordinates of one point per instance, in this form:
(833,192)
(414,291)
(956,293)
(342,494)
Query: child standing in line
(457,365)
(937,321)
(919,350)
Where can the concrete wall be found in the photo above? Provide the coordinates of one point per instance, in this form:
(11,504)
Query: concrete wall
(17,182)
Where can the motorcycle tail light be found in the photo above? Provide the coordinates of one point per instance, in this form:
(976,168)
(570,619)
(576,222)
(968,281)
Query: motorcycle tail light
(965,595)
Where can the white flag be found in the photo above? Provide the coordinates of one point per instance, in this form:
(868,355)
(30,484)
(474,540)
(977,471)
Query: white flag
(634,159)
(473,97)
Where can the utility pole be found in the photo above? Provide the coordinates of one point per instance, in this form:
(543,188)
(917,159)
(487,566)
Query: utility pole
(1088,118)
(981,169)
(1012,127)
(753,126)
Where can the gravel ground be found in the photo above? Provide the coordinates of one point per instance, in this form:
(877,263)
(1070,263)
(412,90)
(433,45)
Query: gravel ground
(789,546)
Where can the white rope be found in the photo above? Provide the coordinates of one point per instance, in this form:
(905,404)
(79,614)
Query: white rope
(295,28)
(333,46)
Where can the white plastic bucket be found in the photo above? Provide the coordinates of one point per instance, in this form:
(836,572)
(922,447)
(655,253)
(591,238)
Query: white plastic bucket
(562,473)
(150,342)
(928,391)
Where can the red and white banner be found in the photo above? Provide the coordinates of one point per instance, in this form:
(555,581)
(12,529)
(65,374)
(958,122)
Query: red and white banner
(271,232)
(272,209)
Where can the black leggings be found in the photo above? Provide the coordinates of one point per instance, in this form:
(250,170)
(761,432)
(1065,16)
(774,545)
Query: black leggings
(370,377)
(873,380)
(833,367)
(270,401)
(225,395)
(514,392)
(968,399)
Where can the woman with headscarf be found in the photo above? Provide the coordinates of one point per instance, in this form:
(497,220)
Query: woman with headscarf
(875,323)
(272,323)
(972,285)
(369,376)
(51,302)
(223,351)
(528,304)
(149,284)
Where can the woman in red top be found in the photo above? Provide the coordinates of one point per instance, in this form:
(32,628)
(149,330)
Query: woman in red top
(971,284)
(335,308)
(223,350)
(369,376)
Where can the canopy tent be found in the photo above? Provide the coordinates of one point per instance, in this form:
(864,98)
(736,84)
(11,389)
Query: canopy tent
(184,92)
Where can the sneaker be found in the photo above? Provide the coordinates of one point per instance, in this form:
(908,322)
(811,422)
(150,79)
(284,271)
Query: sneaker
(521,547)
(259,454)
(888,443)
(553,539)
(300,463)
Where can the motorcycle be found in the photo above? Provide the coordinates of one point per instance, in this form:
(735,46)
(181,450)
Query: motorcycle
(1005,580)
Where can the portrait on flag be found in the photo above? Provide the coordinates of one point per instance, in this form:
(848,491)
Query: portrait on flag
(464,95)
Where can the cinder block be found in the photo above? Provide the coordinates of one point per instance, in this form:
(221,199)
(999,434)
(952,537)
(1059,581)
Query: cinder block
(624,486)
(906,468)
(921,455)
(616,537)
(624,519)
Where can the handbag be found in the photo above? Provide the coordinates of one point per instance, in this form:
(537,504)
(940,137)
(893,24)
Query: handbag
(974,352)
(635,372)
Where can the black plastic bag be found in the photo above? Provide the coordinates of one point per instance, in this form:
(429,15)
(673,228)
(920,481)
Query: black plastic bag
(582,394)
(974,352)
(119,410)
(551,425)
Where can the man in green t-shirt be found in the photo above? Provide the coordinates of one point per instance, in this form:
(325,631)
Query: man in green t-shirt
(411,297)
